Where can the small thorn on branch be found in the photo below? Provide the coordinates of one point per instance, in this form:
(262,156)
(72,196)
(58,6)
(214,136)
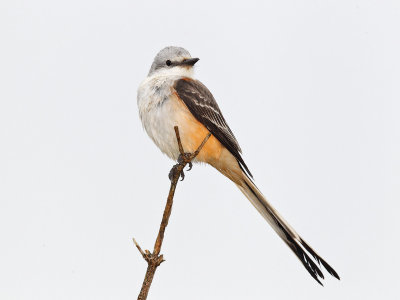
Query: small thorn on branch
(138,247)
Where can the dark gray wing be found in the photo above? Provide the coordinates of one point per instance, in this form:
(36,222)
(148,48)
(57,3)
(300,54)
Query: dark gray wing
(204,108)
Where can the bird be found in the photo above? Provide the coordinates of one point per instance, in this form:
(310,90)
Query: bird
(170,96)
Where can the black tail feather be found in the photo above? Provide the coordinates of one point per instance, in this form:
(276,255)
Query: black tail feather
(297,244)
(319,259)
(305,259)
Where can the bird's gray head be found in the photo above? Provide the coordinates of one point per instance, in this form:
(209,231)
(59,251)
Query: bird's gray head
(172,58)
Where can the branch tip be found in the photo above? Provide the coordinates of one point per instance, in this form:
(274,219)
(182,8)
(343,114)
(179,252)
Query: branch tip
(139,248)
(178,139)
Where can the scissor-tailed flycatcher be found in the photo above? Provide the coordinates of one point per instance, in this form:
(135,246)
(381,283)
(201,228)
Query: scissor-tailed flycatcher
(169,97)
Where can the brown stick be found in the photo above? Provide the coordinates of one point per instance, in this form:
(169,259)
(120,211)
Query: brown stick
(155,259)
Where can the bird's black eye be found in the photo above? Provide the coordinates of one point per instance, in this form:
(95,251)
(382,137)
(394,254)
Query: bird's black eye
(168,62)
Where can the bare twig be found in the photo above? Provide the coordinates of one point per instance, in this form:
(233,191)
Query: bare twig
(155,259)
(140,249)
(200,147)
(178,139)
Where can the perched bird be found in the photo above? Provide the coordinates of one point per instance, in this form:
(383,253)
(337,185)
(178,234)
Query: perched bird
(169,97)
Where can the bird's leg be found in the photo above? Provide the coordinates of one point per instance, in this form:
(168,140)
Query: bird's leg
(174,170)
(186,158)
(183,159)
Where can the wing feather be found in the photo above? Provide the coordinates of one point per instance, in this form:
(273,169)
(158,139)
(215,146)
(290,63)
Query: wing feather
(202,105)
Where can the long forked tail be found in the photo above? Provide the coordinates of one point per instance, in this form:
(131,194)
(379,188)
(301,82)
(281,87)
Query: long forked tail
(286,232)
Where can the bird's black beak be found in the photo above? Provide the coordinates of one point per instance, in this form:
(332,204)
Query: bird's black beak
(189,61)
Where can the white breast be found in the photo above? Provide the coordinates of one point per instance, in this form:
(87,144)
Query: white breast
(158,112)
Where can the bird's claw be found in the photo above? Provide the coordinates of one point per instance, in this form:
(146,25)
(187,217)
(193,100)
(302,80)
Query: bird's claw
(186,158)
(183,159)
(173,172)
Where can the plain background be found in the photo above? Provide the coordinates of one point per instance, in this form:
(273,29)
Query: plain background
(311,91)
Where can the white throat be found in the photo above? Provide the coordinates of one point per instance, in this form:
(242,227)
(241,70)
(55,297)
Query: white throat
(177,71)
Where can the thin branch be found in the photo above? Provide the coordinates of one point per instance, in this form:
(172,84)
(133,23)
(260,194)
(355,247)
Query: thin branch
(201,146)
(154,259)
(178,139)
(140,249)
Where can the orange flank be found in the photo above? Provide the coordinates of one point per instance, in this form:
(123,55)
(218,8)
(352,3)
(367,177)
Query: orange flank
(193,132)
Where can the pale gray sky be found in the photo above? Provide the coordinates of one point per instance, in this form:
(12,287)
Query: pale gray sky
(311,91)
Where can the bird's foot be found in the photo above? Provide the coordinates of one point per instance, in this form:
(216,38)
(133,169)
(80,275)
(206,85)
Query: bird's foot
(183,159)
(186,158)
(175,169)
